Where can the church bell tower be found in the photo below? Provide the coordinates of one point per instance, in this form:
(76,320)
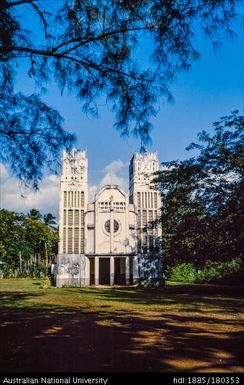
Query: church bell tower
(146,198)
(73,201)
(73,266)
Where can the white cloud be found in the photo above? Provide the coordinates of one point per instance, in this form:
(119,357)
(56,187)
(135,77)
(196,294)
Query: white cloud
(114,166)
(3,173)
(114,173)
(15,197)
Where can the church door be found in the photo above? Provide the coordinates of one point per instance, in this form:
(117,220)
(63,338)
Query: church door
(119,270)
(104,271)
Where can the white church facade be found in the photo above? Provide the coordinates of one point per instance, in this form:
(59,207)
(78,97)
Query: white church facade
(114,240)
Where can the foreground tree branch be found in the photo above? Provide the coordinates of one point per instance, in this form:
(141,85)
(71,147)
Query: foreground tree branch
(91,48)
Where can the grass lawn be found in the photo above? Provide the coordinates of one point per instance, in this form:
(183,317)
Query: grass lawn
(177,328)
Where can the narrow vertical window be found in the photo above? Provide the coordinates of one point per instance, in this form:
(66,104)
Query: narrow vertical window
(76,240)
(139,200)
(144,218)
(72,203)
(70,217)
(78,199)
(82,218)
(76,218)
(82,199)
(82,241)
(155,214)
(64,240)
(139,219)
(155,200)
(70,240)
(65,198)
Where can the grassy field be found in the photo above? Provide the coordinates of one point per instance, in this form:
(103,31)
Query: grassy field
(177,328)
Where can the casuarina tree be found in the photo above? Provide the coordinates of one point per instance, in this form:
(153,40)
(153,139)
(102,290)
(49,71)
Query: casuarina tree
(93,49)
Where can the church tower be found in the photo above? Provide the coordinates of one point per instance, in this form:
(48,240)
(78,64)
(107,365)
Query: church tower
(73,202)
(147,200)
(71,261)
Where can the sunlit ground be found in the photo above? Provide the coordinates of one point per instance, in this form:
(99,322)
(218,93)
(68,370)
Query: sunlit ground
(176,328)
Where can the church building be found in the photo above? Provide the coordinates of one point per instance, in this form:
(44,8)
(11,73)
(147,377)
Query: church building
(114,240)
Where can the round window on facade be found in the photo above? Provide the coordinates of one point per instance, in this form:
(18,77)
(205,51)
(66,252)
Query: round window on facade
(108,228)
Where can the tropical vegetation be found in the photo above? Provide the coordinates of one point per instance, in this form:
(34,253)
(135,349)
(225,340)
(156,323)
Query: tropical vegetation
(203,205)
(28,243)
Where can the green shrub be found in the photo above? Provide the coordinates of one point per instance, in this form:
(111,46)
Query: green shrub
(184,272)
(216,271)
(46,283)
(212,271)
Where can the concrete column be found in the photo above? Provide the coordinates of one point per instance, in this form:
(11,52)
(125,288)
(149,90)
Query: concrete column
(111,271)
(111,229)
(135,270)
(127,270)
(87,272)
(96,271)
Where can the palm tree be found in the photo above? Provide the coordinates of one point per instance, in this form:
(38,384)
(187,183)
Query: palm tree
(49,220)
(34,214)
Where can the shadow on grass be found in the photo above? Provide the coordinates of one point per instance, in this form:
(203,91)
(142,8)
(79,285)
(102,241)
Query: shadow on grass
(7,299)
(197,297)
(50,338)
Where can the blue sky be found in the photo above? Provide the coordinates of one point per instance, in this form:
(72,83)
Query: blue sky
(212,88)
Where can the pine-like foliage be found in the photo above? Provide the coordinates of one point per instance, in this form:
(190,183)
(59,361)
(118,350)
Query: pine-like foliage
(93,48)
